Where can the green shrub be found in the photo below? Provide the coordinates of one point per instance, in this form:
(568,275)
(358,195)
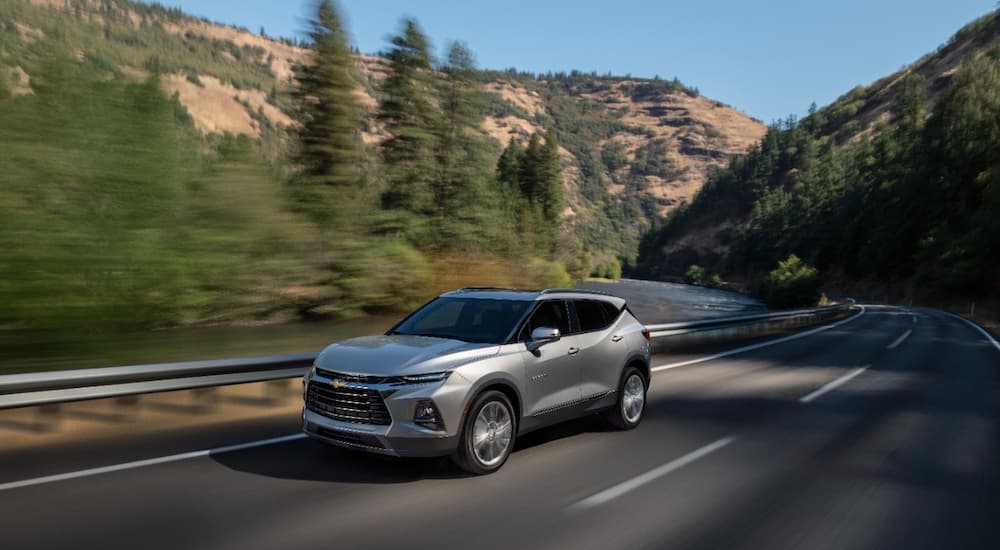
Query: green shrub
(715,281)
(695,275)
(546,274)
(793,283)
(579,266)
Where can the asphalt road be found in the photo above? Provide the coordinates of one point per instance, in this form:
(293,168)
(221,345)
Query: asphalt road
(880,432)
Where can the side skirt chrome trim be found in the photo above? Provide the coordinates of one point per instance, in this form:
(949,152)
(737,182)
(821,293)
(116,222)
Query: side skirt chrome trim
(594,397)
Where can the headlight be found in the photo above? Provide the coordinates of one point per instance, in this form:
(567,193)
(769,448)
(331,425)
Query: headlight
(423,378)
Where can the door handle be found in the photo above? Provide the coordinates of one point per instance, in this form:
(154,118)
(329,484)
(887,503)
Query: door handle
(617,338)
(574,351)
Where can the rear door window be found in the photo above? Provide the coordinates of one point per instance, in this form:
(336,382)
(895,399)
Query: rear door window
(592,315)
(611,311)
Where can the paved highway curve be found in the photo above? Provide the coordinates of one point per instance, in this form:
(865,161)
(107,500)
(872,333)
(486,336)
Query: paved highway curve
(880,431)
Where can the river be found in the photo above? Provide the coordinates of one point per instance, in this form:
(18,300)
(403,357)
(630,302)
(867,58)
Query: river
(652,302)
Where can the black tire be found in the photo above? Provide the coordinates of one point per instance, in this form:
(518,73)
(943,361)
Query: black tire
(465,456)
(616,415)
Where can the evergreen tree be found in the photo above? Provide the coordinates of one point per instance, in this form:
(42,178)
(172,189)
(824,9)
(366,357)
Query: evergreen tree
(532,177)
(549,185)
(413,123)
(530,162)
(549,191)
(464,213)
(329,143)
(509,169)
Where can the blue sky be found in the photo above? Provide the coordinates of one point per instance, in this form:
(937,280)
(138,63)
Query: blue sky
(768,58)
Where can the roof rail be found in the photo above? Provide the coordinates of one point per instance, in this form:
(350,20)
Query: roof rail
(475,288)
(575,290)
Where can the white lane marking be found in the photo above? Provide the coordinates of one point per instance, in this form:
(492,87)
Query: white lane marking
(895,344)
(981,330)
(616,491)
(147,462)
(293,437)
(759,345)
(833,385)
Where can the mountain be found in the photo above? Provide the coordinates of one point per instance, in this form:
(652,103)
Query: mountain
(892,189)
(632,149)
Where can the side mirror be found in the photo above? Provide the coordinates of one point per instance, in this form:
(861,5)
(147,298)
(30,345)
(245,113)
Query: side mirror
(541,336)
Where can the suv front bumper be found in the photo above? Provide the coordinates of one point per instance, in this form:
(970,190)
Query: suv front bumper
(401,436)
(376,439)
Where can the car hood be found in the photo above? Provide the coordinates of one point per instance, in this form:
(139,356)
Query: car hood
(399,354)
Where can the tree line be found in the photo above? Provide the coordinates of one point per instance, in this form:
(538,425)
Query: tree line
(914,204)
(432,185)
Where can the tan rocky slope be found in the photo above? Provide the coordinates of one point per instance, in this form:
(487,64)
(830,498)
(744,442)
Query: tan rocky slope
(693,133)
(860,111)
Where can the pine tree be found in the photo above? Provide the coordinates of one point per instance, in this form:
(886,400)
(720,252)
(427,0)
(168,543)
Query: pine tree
(509,169)
(530,162)
(549,187)
(465,213)
(413,122)
(330,118)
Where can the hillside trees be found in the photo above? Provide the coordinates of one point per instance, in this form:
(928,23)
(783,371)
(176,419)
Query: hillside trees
(94,170)
(916,201)
(413,123)
(361,271)
(534,176)
(467,210)
(328,153)
(962,139)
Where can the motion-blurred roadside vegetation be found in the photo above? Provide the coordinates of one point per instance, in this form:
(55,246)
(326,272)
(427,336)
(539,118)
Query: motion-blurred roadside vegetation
(117,215)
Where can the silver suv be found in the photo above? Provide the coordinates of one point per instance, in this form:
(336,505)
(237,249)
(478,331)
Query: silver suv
(471,370)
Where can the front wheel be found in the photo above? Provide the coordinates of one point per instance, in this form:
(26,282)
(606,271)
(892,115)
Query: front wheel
(627,412)
(487,434)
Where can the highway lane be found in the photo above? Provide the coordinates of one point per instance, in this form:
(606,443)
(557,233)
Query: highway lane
(901,453)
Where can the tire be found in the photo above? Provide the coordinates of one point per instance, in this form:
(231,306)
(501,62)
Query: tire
(492,416)
(630,406)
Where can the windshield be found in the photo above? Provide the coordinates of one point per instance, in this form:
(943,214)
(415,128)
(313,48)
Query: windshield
(468,319)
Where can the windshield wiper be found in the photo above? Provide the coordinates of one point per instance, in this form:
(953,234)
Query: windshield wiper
(441,335)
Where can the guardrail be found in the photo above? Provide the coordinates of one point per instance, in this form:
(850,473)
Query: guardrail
(44,388)
(678,335)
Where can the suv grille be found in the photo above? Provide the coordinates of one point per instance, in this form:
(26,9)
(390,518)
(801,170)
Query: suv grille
(347,404)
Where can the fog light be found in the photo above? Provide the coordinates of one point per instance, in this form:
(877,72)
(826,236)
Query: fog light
(426,415)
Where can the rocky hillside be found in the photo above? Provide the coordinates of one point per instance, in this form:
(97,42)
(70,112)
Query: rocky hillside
(893,184)
(860,111)
(641,146)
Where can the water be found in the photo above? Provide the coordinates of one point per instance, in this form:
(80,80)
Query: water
(656,302)
(652,302)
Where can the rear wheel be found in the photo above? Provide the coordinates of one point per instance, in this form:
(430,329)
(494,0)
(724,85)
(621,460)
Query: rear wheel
(628,411)
(487,434)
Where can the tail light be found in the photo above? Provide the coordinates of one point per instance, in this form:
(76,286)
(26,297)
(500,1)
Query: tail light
(645,333)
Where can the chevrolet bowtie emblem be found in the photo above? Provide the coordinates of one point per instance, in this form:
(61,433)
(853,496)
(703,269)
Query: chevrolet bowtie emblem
(337,384)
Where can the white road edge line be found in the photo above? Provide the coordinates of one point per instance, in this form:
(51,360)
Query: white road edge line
(147,462)
(207,452)
(616,491)
(989,337)
(759,345)
(833,385)
(895,344)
